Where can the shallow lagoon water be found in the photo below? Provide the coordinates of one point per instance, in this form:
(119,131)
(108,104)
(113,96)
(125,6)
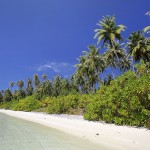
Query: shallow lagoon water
(18,134)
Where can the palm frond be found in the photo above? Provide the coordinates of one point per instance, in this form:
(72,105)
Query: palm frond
(147,29)
(100,38)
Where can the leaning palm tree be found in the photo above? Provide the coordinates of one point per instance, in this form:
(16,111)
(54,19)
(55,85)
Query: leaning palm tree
(110,57)
(109,32)
(139,47)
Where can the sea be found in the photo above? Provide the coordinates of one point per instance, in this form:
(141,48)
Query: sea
(19,134)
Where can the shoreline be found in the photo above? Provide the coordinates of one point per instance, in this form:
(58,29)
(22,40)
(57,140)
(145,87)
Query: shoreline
(108,135)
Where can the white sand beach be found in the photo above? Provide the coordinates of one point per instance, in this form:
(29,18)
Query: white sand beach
(109,135)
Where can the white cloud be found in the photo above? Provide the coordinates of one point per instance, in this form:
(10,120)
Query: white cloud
(62,67)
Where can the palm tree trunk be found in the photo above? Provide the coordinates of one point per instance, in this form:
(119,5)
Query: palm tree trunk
(133,68)
(113,73)
(115,51)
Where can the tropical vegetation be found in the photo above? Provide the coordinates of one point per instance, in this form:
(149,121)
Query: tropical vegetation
(122,100)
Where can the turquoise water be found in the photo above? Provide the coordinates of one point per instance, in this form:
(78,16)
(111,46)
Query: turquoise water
(18,134)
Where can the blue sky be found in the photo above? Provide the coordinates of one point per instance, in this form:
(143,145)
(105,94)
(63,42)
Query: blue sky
(46,36)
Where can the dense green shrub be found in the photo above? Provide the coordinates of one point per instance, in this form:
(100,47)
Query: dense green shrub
(63,104)
(29,103)
(9,105)
(72,104)
(125,101)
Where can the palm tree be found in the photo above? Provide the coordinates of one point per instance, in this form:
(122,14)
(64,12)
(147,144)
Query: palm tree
(66,84)
(73,84)
(80,73)
(89,68)
(125,64)
(139,47)
(20,84)
(7,96)
(109,32)
(29,88)
(36,81)
(107,80)
(21,93)
(1,97)
(45,89)
(110,57)
(57,85)
(95,65)
(44,76)
(48,88)
(11,84)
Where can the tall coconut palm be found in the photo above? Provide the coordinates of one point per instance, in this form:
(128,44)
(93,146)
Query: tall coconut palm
(45,89)
(20,84)
(29,88)
(89,68)
(1,97)
(109,32)
(95,64)
(80,74)
(57,85)
(11,84)
(139,47)
(21,93)
(36,80)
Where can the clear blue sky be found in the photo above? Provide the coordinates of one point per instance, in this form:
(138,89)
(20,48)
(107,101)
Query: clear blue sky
(46,36)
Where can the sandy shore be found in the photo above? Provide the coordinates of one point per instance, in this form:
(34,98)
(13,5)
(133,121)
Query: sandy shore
(111,136)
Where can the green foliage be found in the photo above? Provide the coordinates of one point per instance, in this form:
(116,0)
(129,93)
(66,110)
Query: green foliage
(9,105)
(7,96)
(148,124)
(72,104)
(21,94)
(91,64)
(124,102)
(29,88)
(1,97)
(36,80)
(27,104)
(139,47)
(20,84)
(63,104)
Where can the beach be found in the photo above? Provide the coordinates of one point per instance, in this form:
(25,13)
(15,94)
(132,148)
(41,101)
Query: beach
(109,135)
